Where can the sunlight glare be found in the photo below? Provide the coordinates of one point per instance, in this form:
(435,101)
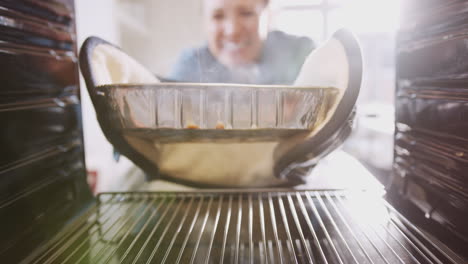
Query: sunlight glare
(366,16)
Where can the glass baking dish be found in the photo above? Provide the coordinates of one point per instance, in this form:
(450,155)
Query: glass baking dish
(196,112)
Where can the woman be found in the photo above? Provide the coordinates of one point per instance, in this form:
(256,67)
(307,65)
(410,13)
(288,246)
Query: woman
(236,52)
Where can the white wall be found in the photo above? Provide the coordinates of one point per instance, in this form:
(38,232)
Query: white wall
(155,32)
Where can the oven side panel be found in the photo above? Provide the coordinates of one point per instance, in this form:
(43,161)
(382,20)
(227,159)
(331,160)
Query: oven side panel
(42,170)
(431,139)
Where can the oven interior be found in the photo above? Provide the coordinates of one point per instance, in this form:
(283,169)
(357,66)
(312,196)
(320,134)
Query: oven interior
(49,215)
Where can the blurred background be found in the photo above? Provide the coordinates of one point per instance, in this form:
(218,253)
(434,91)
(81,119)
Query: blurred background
(155,32)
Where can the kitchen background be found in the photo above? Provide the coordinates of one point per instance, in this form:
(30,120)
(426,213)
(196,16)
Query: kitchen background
(155,32)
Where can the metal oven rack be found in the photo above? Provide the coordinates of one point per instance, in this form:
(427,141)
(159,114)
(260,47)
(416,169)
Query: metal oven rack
(242,227)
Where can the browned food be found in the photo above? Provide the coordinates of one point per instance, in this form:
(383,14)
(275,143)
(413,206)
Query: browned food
(219,125)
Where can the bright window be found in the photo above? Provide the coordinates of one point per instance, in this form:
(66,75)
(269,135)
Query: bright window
(373,21)
(318,19)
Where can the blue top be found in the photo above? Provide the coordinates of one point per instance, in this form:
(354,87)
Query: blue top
(280,62)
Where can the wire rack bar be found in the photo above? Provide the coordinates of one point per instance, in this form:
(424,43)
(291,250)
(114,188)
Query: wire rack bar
(324,228)
(164,213)
(226,228)
(177,232)
(153,252)
(151,217)
(286,227)
(275,230)
(262,229)
(311,227)
(372,242)
(189,232)
(218,214)
(238,228)
(345,222)
(205,219)
(242,227)
(332,221)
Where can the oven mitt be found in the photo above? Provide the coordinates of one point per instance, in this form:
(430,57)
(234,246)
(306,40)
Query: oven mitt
(335,64)
(107,64)
(102,63)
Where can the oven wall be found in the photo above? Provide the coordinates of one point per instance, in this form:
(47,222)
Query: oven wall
(42,170)
(431,139)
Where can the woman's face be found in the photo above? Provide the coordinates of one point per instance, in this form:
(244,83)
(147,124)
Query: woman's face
(233,30)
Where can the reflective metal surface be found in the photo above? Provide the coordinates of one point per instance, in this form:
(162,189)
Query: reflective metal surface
(59,11)
(30,72)
(42,171)
(248,227)
(431,143)
(36,126)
